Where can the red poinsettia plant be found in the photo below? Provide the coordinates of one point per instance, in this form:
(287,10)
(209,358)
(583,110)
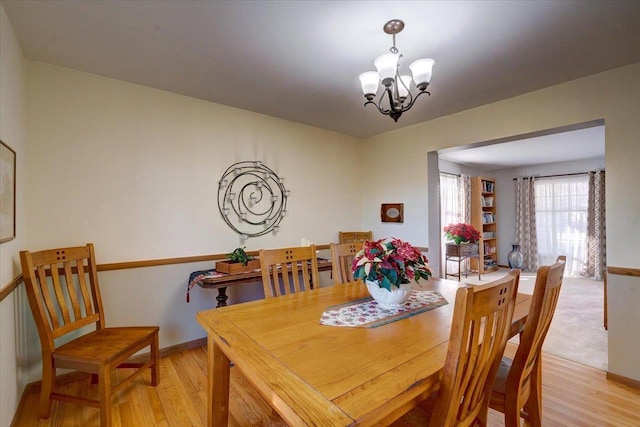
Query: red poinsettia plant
(462,232)
(390,262)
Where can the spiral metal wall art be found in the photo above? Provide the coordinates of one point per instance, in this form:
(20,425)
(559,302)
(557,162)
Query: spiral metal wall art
(252,199)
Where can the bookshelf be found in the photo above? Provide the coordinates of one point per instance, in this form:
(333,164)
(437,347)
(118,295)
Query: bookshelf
(483,218)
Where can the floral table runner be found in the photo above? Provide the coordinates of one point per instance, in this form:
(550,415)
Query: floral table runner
(367,313)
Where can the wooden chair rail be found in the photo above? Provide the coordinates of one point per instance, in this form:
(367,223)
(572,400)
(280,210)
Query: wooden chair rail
(17,281)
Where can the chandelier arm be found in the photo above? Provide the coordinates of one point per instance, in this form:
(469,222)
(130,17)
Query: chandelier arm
(381,110)
(414,100)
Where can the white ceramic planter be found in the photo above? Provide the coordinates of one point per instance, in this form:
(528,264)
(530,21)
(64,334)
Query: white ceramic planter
(389,299)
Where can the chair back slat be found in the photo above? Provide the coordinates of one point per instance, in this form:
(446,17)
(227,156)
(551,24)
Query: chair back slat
(60,300)
(481,322)
(63,291)
(288,270)
(342,255)
(42,290)
(84,290)
(71,289)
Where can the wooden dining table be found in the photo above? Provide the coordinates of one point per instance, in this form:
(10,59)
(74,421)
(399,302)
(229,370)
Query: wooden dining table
(319,375)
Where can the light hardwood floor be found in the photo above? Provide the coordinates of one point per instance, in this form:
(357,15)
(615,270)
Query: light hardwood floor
(573,395)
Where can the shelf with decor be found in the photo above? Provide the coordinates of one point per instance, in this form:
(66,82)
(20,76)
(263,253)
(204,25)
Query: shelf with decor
(484,219)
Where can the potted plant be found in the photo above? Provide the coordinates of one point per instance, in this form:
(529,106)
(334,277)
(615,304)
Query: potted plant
(461,233)
(387,266)
(238,262)
(464,237)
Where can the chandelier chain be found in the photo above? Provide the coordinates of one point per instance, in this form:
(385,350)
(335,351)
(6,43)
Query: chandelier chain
(393,48)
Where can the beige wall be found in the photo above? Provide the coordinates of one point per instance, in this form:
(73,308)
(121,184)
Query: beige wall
(12,133)
(613,96)
(135,171)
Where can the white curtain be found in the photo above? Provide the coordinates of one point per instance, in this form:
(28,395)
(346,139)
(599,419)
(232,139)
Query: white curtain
(455,207)
(562,205)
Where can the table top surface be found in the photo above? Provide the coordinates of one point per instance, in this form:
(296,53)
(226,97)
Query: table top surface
(318,374)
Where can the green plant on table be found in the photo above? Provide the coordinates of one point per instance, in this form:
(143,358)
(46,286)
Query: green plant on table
(239,255)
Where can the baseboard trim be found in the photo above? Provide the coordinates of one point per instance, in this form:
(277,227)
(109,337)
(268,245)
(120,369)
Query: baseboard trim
(168,351)
(70,377)
(623,380)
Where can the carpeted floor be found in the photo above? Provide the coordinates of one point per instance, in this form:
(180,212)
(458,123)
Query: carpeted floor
(576,332)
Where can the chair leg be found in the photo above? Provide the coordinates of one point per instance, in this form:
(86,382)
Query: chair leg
(155,356)
(512,409)
(533,406)
(48,381)
(104,395)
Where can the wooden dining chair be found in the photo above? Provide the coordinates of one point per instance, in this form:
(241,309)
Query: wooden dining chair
(518,383)
(300,265)
(354,236)
(480,328)
(64,295)
(342,255)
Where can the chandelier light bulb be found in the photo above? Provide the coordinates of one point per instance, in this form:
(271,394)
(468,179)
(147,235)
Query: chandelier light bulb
(387,66)
(422,70)
(403,87)
(369,81)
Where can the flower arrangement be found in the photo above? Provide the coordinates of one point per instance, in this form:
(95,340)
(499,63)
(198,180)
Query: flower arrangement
(390,262)
(462,232)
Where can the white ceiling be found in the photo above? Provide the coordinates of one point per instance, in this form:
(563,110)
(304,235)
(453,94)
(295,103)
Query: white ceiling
(300,60)
(565,146)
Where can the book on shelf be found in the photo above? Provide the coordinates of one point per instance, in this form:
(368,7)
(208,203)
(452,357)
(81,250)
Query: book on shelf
(488,218)
(487,186)
(488,234)
(487,201)
(488,249)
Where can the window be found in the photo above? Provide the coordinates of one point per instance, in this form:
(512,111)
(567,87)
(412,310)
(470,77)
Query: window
(561,219)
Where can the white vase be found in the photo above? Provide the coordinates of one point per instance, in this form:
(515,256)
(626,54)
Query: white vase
(389,299)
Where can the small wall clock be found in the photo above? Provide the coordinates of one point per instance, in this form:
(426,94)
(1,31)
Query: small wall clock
(392,212)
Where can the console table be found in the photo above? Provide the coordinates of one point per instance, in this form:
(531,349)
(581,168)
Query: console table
(458,253)
(222,282)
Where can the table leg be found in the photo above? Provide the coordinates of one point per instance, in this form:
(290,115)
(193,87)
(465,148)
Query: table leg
(222,297)
(218,365)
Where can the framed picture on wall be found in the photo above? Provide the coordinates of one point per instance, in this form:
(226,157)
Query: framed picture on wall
(392,212)
(7,193)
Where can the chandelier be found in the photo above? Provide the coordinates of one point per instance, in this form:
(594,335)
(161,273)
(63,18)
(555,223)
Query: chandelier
(396,87)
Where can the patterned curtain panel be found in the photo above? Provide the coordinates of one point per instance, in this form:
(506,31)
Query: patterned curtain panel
(526,223)
(596,261)
(464,191)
